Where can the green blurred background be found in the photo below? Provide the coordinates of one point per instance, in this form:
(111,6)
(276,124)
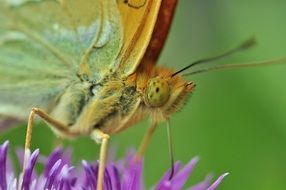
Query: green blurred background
(235,120)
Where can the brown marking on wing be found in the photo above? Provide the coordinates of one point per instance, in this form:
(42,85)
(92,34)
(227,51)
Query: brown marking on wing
(161,30)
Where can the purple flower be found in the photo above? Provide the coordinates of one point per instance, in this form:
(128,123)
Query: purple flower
(58,174)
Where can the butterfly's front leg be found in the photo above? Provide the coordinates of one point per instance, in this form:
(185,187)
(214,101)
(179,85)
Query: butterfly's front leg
(146,140)
(101,138)
(53,123)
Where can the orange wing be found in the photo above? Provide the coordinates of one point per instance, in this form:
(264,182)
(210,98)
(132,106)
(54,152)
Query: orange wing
(143,21)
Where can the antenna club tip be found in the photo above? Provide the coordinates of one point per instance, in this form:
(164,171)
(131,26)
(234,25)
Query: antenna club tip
(249,43)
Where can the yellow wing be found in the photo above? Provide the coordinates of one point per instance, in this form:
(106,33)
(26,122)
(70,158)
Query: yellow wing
(138,20)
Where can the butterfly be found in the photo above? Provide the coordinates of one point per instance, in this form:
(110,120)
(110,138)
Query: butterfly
(84,67)
(88,69)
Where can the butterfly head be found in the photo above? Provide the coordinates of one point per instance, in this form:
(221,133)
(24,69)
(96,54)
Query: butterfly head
(166,93)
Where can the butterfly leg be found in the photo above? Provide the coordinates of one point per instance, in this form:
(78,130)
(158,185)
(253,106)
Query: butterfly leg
(146,140)
(46,117)
(102,138)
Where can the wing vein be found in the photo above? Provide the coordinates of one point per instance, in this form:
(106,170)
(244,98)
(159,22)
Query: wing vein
(29,33)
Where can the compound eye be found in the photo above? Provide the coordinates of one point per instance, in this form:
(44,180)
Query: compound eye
(157,92)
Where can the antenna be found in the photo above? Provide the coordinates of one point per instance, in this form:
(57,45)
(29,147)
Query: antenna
(243,46)
(239,65)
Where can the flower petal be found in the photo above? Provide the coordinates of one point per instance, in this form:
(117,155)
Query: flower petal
(164,181)
(116,178)
(107,180)
(53,173)
(52,159)
(135,169)
(66,181)
(3,159)
(202,185)
(217,182)
(91,175)
(180,178)
(27,179)
(123,175)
